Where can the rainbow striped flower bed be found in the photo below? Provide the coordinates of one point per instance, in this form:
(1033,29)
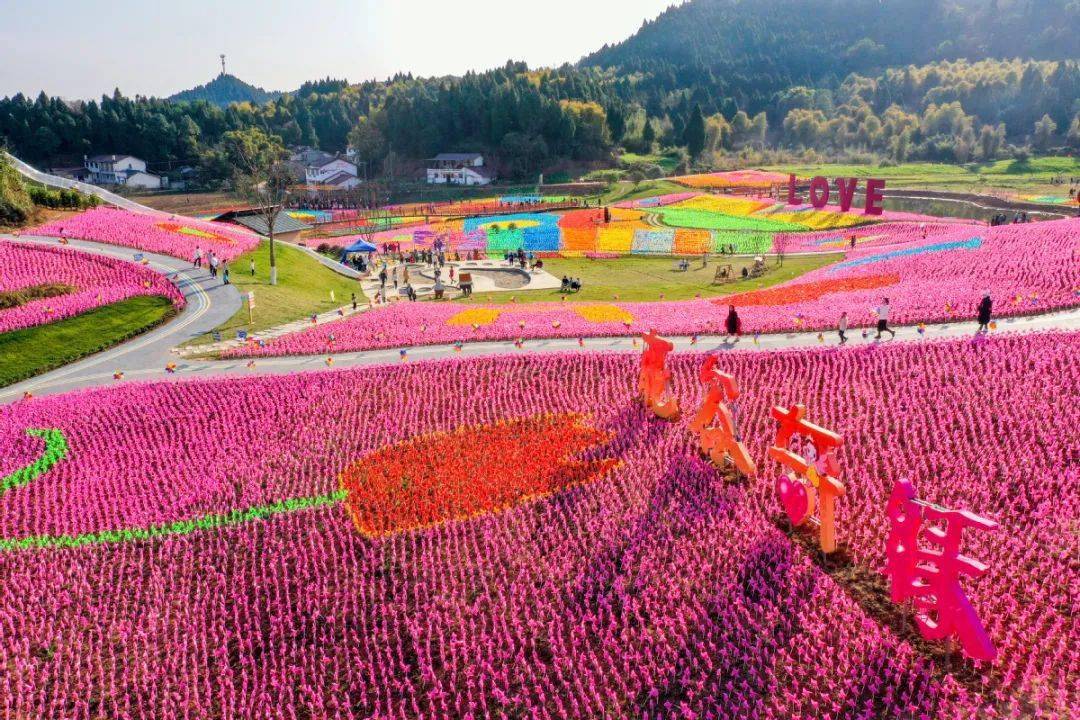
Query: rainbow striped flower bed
(1027,268)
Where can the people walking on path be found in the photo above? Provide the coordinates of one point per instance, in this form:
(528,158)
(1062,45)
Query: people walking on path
(196,261)
(733,325)
(213,264)
(883,311)
(225,274)
(841,328)
(986,309)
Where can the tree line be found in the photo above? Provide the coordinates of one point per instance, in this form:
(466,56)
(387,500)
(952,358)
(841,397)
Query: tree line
(711,78)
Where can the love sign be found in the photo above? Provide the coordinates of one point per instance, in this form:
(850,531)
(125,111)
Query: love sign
(845,191)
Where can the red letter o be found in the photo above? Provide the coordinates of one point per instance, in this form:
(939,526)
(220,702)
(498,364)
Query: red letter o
(819,192)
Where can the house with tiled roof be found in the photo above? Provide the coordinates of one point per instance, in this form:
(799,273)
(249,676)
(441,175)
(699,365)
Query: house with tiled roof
(332,171)
(126,170)
(458,169)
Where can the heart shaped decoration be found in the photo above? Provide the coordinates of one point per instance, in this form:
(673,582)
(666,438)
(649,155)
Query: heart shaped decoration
(796,498)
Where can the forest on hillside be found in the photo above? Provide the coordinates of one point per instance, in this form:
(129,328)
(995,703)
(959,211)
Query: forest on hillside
(902,80)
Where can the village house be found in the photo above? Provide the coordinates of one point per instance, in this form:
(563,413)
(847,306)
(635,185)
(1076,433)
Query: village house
(125,170)
(332,172)
(458,169)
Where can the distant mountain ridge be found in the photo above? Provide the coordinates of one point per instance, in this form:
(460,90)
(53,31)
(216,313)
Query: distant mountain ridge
(750,50)
(225,89)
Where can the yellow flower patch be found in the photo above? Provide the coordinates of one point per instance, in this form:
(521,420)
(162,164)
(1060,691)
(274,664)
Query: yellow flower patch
(603,313)
(475,316)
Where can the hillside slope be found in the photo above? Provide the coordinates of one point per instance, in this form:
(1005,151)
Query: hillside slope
(225,89)
(748,50)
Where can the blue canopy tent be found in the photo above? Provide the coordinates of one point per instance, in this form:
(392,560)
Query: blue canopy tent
(360,246)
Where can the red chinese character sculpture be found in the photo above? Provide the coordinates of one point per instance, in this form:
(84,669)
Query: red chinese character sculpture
(653,380)
(808,477)
(930,576)
(715,423)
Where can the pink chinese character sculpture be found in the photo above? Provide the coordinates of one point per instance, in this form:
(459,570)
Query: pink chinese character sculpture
(653,380)
(715,422)
(808,476)
(930,575)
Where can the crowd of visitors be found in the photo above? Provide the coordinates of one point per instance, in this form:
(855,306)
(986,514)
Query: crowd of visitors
(1003,218)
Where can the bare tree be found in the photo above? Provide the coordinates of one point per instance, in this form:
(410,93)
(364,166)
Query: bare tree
(367,197)
(781,241)
(262,177)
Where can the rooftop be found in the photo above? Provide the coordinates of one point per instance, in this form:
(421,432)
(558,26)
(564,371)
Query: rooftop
(111,158)
(253,219)
(457,157)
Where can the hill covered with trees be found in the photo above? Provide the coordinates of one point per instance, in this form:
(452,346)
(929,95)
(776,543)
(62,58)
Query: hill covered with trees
(224,90)
(738,54)
(903,79)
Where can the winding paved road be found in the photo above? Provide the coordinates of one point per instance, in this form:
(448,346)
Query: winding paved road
(210,303)
(85,188)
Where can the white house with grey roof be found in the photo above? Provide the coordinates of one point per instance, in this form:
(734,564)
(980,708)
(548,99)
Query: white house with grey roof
(126,170)
(458,169)
(334,172)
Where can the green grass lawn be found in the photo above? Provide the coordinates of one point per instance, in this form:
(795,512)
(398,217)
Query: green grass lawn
(677,217)
(668,161)
(32,351)
(303,288)
(1032,176)
(643,279)
(625,190)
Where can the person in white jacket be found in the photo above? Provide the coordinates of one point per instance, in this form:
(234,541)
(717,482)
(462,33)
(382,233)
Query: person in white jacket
(883,319)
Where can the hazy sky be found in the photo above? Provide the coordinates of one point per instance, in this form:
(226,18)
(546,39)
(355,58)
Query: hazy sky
(83,48)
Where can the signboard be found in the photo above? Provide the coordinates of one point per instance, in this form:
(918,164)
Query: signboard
(845,191)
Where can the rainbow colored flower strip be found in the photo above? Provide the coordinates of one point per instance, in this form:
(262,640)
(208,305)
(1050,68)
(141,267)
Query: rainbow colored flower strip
(972,244)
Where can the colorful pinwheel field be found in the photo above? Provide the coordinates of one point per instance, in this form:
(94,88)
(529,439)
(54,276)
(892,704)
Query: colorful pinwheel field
(678,224)
(1027,268)
(173,235)
(760,179)
(519,537)
(40,285)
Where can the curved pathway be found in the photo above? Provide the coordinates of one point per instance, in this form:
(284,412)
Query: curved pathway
(209,304)
(85,188)
(1067,320)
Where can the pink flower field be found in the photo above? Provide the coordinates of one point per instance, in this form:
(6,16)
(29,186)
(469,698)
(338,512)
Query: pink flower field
(893,232)
(96,281)
(1027,268)
(173,235)
(186,550)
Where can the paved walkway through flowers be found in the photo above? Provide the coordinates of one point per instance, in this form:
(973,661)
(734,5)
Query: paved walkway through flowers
(210,304)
